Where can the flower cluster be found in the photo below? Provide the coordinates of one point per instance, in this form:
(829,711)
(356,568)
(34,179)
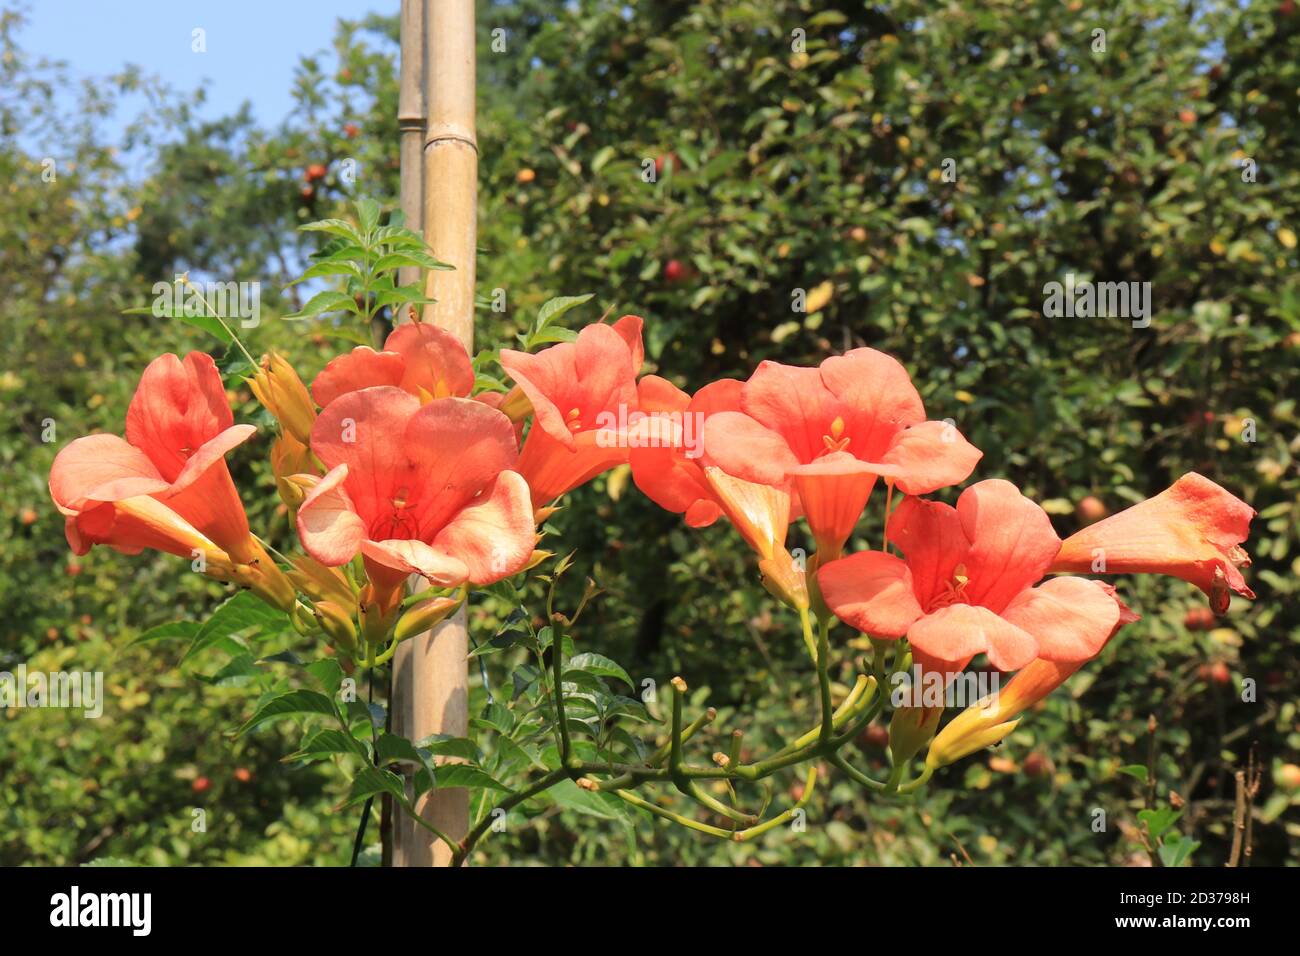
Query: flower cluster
(392,466)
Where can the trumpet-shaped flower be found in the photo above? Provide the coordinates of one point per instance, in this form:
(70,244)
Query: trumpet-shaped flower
(427,489)
(1192,530)
(668,463)
(834,430)
(178,431)
(582,394)
(991,719)
(419,358)
(966,585)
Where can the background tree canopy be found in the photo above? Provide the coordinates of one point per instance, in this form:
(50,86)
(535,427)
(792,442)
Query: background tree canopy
(914,175)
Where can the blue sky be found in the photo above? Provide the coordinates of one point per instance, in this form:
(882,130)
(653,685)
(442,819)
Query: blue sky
(252,45)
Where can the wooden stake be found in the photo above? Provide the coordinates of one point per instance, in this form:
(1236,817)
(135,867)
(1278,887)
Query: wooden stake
(411,124)
(437,663)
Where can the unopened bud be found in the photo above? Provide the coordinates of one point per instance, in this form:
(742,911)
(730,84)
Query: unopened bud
(337,624)
(425,615)
(278,387)
(516,406)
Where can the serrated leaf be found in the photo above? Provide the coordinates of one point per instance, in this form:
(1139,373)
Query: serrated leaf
(323,302)
(292,703)
(598,664)
(167,632)
(464,775)
(553,309)
(242,613)
(325,743)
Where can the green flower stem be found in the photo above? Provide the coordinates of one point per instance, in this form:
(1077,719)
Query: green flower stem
(855,774)
(461,851)
(919,782)
(823,677)
(810,782)
(675,817)
(665,751)
(557,671)
(185,281)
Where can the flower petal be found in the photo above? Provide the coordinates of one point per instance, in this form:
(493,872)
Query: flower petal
(1070,618)
(930,456)
(177,408)
(833,490)
(436,363)
(930,536)
(406,556)
(746,449)
(363,367)
(494,537)
(1192,530)
(793,402)
(960,631)
(101,468)
(1012,542)
(872,591)
(878,395)
(328,524)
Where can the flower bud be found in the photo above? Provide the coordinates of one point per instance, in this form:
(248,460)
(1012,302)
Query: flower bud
(910,729)
(516,406)
(424,615)
(278,387)
(263,577)
(967,737)
(783,580)
(337,624)
(289,456)
(321,583)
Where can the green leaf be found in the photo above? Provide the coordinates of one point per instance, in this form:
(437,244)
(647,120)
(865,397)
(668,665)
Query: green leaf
(325,743)
(409,259)
(605,806)
(552,309)
(241,614)
(1176,849)
(325,302)
(167,632)
(333,266)
(327,673)
(292,703)
(463,775)
(444,745)
(335,227)
(599,665)
(1135,770)
(1158,821)
(367,214)
(370,781)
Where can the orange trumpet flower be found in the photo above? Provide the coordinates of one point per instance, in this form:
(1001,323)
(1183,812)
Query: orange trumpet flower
(834,430)
(427,489)
(419,358)
(1192,530)
(582,394)
(966,585)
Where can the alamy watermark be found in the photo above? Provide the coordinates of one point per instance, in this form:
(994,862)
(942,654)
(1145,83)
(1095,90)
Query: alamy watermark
(922,688)
(230,300)
(1085,299)
(627,429)
(69,690)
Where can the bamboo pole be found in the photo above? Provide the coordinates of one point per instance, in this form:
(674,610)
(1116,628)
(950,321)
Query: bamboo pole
(411,125)
(438,662)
